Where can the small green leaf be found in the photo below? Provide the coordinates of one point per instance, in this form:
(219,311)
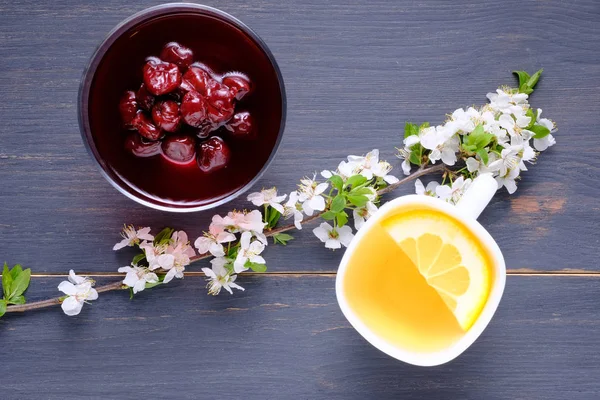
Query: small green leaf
(6,281)
(15,271)
(533,80)
(2,307)
(423,126)
(523,77)
(415,157)
(20,284)
(540,131)
(364,190)
(410,129)
(483,154)
(17,300)
(338,203)
(151,285)
(469,148)
(282,238)
(337,182)
(256,267)
(341,219)
(273,217)
(328,215)
(533,115)
(478,139)
(358,200)
(163,236)
(526,90)
(139,257)
(356,180)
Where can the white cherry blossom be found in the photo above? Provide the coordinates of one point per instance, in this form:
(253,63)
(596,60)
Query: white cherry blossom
(453,193)
(137,277)
(268,197)
(420,189)
(79,290)
(294,208)
(309,194)
(131,237)
(442,143)
(362,214)
(181,251)
(508,180)
(212,241)
(507,103)
(334,238)
(219,278)
(249,251)
(156,256)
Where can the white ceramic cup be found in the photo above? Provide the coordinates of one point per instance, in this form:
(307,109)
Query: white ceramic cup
(474,200)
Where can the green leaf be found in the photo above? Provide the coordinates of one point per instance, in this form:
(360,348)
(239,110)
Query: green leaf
(2,307)
(282,238)
(16,270)
(410,129)
(338,204)
(364,190)
(540,131)
(256,267)
(273,217)
(328,215)
(423,126)
(469,147)
(151,285)
(523,77)
(483,154)
(341,219)
(533,115)
(356,180)
(337,182)
(415,157)
(533,80)
(17,300)
(6,281)
(139,257)
(163,236)
(526,90)
(20,284)
(358,200)
(478,138)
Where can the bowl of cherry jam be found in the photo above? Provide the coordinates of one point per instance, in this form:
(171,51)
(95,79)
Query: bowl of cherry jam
(182,107)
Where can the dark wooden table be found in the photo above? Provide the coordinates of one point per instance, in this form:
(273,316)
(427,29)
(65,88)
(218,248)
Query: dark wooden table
(354,72)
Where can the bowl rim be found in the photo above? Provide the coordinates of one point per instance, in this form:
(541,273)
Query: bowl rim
(88,77)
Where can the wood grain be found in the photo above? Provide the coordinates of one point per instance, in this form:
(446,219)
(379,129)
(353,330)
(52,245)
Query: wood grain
(354,72)
(286,338)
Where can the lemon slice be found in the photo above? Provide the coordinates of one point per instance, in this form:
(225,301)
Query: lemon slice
(450,258)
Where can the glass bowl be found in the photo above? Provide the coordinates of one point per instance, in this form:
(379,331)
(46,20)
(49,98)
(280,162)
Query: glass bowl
(218,40)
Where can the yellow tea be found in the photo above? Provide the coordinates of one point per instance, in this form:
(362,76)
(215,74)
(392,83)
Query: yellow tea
(418,279)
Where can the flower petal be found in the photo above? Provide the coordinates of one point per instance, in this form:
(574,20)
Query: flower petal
(71,306)
(121,244)
(67,288)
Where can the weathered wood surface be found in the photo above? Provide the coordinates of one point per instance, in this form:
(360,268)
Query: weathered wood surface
(285,338)
(354,72)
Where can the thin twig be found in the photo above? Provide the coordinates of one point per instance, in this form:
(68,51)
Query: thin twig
(57,300)
(119,285)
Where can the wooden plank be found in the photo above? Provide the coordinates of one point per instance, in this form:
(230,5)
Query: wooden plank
(354,71)
(285,337)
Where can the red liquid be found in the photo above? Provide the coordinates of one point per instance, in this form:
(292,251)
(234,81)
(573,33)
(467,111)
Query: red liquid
(221,46)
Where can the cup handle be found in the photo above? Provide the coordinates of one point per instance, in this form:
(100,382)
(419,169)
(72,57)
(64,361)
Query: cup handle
(477,196)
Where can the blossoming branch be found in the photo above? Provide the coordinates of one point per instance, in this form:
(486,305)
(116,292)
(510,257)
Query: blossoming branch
(495,138)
